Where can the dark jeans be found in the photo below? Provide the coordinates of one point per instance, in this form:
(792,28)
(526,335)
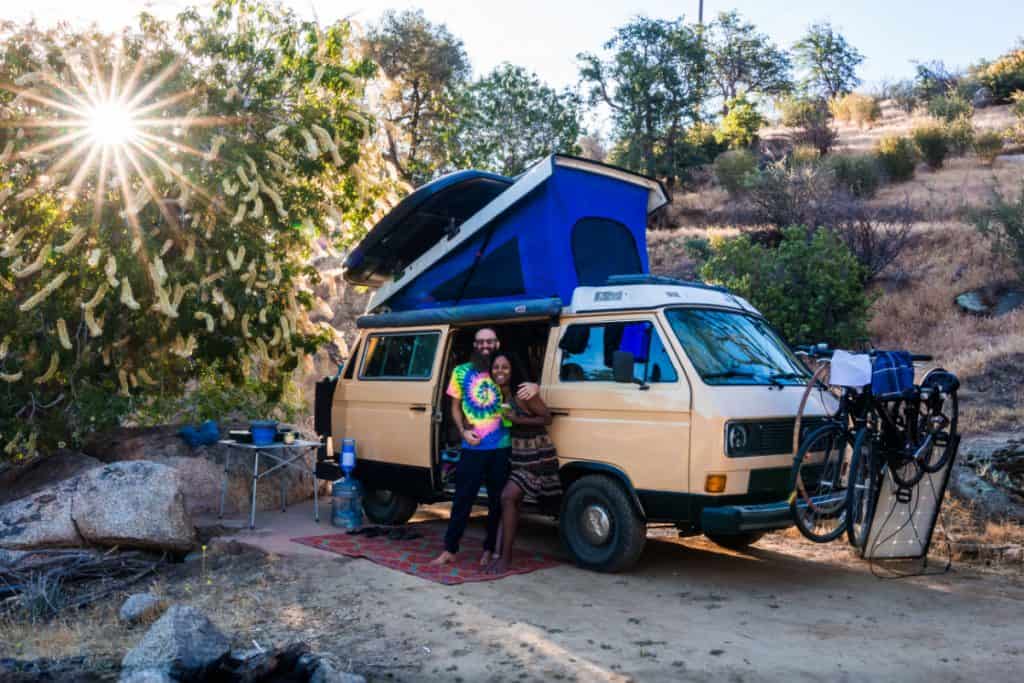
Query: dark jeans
(475,468)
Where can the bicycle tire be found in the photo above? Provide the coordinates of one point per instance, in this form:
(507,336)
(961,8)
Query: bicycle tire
(818,499)
(862,489)
(950,405)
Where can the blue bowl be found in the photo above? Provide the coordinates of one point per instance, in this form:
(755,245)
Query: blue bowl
(263,432)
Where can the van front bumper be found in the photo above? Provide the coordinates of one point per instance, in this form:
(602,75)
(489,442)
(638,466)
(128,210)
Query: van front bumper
(738,519)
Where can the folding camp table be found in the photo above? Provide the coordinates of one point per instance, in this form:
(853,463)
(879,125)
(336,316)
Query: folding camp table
(283,455)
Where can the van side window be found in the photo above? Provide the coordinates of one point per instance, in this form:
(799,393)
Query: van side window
(588,350)
(400,356)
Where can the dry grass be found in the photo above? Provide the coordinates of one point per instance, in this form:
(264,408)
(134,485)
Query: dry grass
(961,182)
(977,541)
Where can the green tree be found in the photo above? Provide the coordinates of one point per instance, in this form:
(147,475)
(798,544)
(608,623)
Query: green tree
(739,127)
(135,256)
(510,117)
(742,60)
(828,62)
(812,290)
(425,67)
(654,83)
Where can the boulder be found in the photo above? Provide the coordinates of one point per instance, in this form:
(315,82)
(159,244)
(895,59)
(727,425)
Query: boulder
(42,472)
(137,443)
(183,643)
(136,504)
(982,98)
(139,607)
(41,520)
(146,676)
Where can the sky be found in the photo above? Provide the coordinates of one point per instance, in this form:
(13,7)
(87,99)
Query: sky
(546,35)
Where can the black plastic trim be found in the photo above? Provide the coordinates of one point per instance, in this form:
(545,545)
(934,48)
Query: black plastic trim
(451,315)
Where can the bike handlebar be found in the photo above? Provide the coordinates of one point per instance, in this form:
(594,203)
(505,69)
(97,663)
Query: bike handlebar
(819,352)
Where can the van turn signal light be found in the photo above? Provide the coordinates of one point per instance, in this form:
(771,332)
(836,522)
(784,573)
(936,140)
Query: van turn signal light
(715,483)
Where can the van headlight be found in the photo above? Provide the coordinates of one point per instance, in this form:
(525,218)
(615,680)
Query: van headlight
(737,438)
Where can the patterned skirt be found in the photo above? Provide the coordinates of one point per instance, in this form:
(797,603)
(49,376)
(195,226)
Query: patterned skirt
(533,467)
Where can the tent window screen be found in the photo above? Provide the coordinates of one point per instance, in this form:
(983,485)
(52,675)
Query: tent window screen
(499,273)
(400,356)
(602,247)
(588,352)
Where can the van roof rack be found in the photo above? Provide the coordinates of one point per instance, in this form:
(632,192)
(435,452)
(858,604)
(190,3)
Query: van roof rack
(647,279)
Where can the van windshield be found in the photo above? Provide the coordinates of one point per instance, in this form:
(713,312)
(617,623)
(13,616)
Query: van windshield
(733,348)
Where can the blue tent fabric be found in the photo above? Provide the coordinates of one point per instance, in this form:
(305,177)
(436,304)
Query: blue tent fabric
(527,251)
(892,373)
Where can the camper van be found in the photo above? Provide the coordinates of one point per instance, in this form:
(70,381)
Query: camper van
(673,402)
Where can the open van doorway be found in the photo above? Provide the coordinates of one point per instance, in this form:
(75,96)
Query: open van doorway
(526,342)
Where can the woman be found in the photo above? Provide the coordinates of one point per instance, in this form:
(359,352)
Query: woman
(533,463)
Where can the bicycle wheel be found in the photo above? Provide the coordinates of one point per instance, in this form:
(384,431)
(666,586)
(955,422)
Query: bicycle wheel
(940,410)
(818,500)
(862,489)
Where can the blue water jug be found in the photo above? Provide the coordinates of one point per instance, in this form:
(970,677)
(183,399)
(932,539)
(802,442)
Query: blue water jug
(347,503)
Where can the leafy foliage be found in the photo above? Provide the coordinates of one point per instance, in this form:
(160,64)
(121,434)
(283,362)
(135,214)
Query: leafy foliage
(903,94)
(960,135)
(732,169)
(857,174)
(1005,75)
(654,82)
(932,142)
(425,67)
(811,289)
(812,119)
(738,128)
(828,62)
(742,60)
(193,252)
(1002,221)
(934,79)
(898,157)
(950,106)
(509,118)
(988,146)
(791,194)
(856,108)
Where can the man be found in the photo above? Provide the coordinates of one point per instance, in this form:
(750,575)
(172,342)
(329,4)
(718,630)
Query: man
(477,410)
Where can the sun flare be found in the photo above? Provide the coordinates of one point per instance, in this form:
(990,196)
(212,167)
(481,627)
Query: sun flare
(111,124)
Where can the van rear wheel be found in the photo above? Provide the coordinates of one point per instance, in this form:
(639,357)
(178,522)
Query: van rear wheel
(600,526)
(387,507)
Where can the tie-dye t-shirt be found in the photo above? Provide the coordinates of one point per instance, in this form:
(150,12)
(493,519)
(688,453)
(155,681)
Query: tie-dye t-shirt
(480,397)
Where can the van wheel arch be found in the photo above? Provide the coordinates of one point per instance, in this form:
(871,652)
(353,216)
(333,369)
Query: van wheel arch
(575,470)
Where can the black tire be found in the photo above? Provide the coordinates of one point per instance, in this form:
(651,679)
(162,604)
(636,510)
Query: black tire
(818,499)
(862,489)
(387,507)
(600,526)
(740,541)
(944,405)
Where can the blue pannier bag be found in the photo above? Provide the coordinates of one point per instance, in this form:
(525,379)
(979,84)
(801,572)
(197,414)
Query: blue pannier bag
(892,373)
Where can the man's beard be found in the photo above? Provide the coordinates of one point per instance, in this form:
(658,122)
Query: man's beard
(481,361)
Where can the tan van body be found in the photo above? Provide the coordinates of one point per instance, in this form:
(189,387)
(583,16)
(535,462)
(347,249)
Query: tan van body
(662,447)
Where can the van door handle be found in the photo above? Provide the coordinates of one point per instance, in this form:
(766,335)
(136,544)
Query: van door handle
(418,409)
(559,413)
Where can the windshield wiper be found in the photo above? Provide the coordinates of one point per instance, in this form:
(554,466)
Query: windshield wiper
(731,373)
(775,377)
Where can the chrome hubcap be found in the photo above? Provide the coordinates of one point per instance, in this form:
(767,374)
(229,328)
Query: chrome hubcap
(597,524)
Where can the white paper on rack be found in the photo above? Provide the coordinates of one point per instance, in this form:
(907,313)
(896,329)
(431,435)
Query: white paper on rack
(850,369)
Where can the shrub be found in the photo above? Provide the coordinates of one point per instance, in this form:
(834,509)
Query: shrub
(697,248)
(1004,75)
(739,126)
(960,134)
(701,137)
(811,289)
(1002,221)
(812,119)
(857,174)
(732,168)
(856,108)
(897,157)
(1017,97)
(988,145)
(950,106)
(903,94)
(932,143)
(804,155)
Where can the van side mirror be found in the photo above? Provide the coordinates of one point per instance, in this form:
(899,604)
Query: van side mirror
(622,368)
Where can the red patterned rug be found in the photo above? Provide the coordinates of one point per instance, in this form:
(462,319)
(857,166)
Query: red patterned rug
(413,556)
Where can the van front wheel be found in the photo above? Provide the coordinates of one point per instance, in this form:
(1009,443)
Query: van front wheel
(600,526)
(387,507)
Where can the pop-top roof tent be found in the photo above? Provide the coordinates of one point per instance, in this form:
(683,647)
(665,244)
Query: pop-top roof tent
(473,237)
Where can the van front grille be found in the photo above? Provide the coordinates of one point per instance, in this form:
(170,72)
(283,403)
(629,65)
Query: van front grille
(765,437)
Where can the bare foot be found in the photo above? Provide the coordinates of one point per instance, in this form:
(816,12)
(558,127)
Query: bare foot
(498,566)
(444,558)
(487,558)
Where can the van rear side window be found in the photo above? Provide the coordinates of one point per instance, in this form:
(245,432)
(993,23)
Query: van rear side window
(400,356)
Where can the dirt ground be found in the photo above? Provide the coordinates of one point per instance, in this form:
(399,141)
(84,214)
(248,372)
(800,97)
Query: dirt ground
(787,609)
